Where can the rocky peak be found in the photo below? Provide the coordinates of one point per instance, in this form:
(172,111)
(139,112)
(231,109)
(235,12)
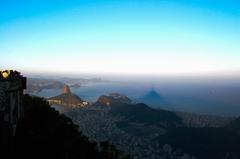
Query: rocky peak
(112,99)
(120,97)
(66,89)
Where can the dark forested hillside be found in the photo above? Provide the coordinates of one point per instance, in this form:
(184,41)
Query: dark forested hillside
(141,113)
(205,143)
(44,133)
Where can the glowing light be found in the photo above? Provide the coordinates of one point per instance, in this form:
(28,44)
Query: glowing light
(5,74)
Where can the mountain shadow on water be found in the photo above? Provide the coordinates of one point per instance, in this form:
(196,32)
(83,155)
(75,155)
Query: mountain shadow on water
(154,100)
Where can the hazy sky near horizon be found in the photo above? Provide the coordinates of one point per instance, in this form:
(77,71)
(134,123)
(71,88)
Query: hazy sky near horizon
(120,36)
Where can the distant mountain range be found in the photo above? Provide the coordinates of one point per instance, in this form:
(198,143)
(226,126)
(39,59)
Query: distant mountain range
(37,85)
(73,81)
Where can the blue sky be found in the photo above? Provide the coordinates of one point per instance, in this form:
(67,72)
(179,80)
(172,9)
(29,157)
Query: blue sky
(120,36)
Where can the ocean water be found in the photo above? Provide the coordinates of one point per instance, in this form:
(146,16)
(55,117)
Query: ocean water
(204,98)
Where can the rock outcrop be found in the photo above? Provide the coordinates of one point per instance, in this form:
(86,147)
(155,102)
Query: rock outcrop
(67,98)
(112,99)
(66,90)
